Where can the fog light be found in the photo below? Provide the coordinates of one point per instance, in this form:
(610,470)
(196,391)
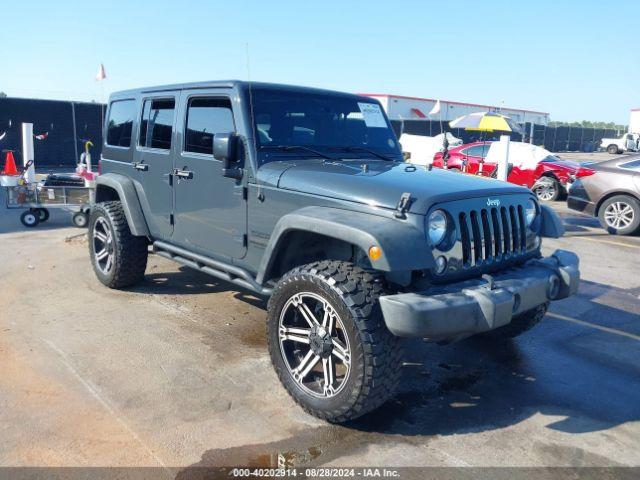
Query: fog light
(375,253)
(553,288)
(441,264)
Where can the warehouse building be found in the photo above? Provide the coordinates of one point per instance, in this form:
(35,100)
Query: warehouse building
(399,107)
(634,120)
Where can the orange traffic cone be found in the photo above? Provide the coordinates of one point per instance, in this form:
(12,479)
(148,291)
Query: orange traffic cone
(10,165)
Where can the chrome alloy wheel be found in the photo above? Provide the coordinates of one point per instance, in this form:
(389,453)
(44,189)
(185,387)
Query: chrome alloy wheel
(103,246)
(545,190)
(619,215)
(314,345)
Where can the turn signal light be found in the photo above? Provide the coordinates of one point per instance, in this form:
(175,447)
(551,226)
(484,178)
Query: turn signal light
(584,172)
(375,252)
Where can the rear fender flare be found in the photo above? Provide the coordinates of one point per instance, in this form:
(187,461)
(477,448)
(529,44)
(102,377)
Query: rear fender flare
(126,190)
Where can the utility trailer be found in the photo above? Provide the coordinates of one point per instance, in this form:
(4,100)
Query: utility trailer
(37,200)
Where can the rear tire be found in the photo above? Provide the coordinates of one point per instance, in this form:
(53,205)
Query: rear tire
(350,295)
(547,189)
(620,215)
(613,149)
(119,258)
(518,325)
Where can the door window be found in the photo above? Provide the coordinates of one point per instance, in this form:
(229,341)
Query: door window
(156,126)
(477,150)
(120,123)
(205,117)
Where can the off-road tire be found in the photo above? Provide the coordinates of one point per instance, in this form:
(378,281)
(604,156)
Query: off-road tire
(130,252)
(518,325)
(633,227)
(613,149)
(376,354)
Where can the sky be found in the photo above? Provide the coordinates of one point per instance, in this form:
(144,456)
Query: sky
(578,60)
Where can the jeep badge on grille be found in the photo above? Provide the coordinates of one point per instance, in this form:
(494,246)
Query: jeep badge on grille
(493,203)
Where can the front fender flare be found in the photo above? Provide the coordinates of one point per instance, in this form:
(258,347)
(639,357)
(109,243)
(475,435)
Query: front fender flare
(126,190)
(552,226)
(404,247)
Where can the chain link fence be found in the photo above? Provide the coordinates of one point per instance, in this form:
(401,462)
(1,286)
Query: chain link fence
(554,139)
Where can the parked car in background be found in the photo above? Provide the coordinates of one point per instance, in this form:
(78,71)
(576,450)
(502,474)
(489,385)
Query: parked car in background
(532,166)
(629,142)
(610,191)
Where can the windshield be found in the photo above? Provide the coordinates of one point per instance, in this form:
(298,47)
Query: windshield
(316,125)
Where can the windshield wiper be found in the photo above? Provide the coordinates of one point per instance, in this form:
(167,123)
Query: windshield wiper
(288,148)
(368,150)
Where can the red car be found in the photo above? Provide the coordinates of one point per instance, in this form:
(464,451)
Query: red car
(548,179)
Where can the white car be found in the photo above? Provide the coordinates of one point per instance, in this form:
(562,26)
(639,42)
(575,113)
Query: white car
(627,143)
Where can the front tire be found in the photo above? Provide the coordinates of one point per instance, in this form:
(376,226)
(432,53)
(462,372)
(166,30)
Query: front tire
(328,342)
(119,258)
(613,149)
(620,215)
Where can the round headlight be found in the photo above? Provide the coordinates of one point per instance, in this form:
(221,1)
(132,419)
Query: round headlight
(530,212)
(437,227)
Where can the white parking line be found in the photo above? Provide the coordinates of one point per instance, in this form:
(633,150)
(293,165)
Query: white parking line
(614,331)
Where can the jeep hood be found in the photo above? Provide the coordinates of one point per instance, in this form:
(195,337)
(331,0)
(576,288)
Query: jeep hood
(381,183)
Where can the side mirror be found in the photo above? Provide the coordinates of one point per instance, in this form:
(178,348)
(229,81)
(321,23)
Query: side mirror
(225,149)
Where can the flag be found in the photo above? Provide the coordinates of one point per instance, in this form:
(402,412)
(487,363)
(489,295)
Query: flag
(435,109)
(101,75)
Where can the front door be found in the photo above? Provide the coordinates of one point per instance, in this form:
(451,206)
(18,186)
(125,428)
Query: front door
(210,210)
(153,164)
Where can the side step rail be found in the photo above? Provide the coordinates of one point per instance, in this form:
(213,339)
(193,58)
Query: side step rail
(215,268)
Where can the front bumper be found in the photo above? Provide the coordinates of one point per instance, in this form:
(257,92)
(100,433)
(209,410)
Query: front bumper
(462,309)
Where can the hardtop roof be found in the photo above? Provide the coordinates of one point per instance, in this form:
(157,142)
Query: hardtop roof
(230,84)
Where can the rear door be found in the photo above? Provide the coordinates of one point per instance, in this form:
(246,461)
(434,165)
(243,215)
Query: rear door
(210,210)
(153,161)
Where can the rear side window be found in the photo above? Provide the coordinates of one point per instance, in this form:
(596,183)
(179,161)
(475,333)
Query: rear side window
(206,117)
(120,123)
(156,125)
(477,150)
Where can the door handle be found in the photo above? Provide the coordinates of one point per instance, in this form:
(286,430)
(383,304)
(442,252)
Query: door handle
(143,167)
(186,174)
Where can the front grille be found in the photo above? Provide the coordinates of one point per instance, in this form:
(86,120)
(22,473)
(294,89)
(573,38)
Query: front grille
(492,234)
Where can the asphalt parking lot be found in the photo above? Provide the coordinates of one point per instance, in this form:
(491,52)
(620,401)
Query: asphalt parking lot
(176,373)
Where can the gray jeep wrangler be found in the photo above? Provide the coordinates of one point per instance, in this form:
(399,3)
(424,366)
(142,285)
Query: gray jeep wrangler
(301,195)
